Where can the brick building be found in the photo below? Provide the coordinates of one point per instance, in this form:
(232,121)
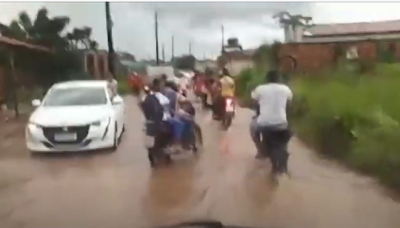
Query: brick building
(358,40)
(379,30)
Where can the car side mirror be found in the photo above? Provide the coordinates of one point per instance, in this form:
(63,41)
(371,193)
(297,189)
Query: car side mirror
(36,103)
(117,100)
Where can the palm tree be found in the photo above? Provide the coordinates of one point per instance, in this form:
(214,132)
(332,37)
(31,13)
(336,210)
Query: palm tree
(81,38)
(48,32)
(43,31)
(93,45)
(292,22)
(19,29)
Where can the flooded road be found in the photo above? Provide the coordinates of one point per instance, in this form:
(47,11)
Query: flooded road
(225,182)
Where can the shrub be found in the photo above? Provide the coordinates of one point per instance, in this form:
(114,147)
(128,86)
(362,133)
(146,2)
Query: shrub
(355,118)
(123,87)
(245,82)
(351,113)
(242,79)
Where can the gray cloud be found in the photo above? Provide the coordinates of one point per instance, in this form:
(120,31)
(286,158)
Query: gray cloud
(204,14)
(198,23)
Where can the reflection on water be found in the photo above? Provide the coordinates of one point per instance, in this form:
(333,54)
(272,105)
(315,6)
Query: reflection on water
(224,183)
(169,191)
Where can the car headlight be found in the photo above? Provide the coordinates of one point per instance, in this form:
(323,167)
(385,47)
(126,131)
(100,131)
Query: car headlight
(103,122)
(33,126)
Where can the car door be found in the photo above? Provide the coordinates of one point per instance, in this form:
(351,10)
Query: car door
(118,109)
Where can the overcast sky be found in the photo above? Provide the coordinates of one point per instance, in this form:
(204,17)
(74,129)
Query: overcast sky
(198,23)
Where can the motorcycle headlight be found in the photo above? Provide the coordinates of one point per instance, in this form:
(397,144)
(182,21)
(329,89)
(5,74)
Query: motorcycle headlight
(103,122)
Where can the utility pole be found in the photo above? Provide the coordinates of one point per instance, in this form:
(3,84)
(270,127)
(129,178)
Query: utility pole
(156,33)
(163,53)
(190,48)
(172,47)
(111,51)
(223,39)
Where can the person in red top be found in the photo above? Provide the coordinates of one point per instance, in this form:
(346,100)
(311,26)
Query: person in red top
(135,82)
(200,87)
(197,81)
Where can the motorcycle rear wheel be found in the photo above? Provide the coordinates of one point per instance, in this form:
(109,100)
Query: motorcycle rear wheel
(226,122)
(155,157)
(198,138)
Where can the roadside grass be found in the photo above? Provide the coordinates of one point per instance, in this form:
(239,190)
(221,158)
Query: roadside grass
(348,116)
(123,87)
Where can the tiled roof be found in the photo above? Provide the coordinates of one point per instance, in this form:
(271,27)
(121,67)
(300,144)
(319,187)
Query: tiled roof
(355,28)
(15,42)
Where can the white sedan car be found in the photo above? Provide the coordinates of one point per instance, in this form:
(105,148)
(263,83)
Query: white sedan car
(76,116)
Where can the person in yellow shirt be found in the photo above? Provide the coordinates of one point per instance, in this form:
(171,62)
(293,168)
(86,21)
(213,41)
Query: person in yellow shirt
(227,84)
(227,89)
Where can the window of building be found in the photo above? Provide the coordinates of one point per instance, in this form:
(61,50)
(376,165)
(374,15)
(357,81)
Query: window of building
(352,53)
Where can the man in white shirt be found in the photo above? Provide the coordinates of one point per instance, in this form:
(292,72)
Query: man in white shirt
(273,98)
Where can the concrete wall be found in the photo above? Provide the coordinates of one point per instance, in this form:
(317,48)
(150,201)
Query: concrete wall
(236,66)
(295,35)
(204,64)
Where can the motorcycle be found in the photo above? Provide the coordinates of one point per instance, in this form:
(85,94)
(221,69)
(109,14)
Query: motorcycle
(229,113)
(159,140)
(275,147)
(156,141)
(159,143)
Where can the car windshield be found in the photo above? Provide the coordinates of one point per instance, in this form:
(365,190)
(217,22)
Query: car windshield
(76,97)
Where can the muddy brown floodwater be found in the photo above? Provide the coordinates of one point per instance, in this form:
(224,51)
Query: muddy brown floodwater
(119,190)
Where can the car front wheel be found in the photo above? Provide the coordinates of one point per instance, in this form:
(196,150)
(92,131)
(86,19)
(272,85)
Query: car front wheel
(115,144)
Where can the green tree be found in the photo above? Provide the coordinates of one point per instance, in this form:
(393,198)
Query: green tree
(48,32)
(81,38)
